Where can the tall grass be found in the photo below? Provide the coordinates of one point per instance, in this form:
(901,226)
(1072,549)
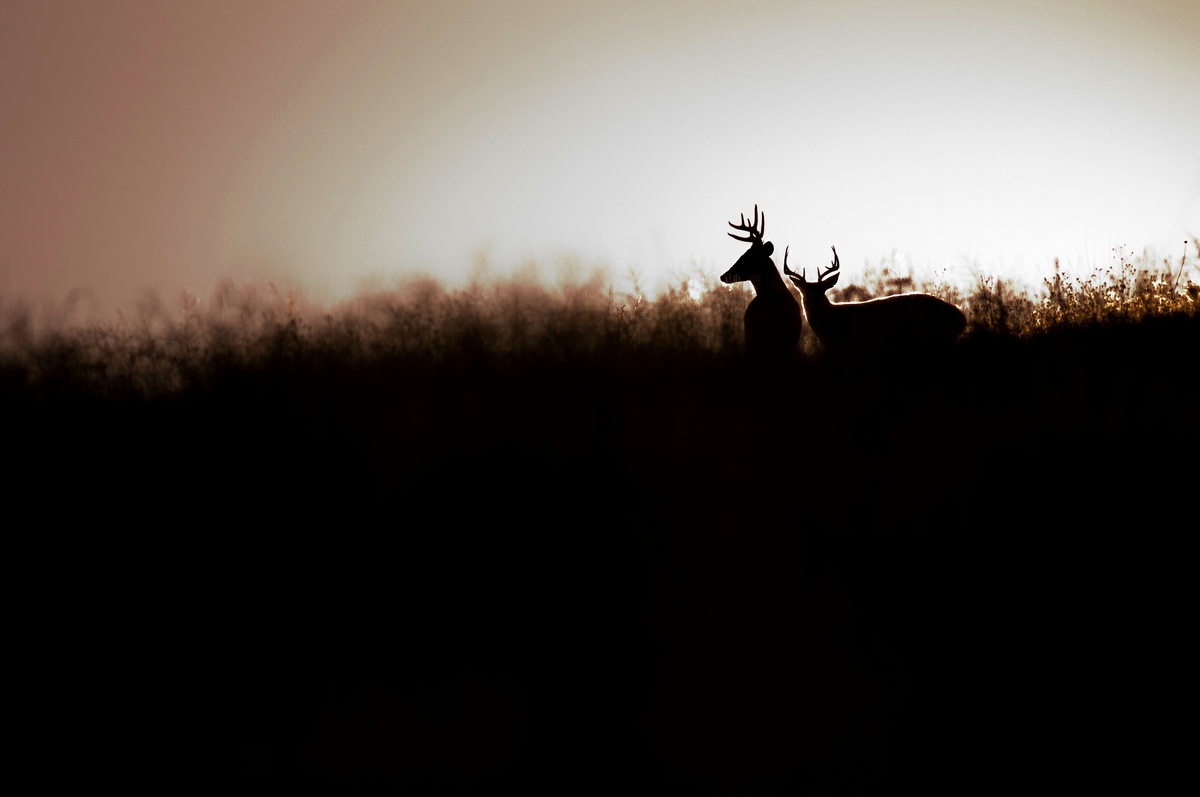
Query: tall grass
(164,346)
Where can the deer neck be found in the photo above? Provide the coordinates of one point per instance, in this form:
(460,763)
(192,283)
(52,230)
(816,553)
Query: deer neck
(816,309)
(768,283)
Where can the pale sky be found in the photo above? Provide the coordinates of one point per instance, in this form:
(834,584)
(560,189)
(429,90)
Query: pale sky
(166,145)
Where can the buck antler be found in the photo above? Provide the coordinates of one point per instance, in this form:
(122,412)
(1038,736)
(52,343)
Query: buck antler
(798,278)
(756,233)
(834,266)
(787,270)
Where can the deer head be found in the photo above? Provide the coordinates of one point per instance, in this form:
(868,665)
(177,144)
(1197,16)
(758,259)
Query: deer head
(757,259)
(811,290)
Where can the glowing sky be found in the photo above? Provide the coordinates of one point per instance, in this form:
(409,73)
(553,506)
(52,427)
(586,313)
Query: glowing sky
(148,144)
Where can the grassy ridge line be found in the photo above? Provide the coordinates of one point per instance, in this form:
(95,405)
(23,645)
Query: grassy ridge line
(163,349)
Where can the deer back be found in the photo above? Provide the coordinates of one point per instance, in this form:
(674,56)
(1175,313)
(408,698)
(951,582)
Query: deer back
(908,321)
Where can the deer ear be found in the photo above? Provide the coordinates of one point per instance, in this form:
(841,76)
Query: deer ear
(829,283)
(770,247)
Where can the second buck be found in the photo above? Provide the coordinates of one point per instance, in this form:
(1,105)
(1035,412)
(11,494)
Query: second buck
(909,323)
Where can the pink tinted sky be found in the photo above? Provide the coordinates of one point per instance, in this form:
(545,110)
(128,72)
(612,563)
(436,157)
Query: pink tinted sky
(165,145)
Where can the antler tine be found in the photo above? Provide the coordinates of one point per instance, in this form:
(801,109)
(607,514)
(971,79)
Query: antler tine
(797,279)
(834,266)
(741,226)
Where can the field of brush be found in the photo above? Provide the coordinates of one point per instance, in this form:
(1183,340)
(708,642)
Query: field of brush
(510,533)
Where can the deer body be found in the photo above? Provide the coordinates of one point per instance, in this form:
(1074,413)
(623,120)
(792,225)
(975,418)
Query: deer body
(909,323)
(772,321)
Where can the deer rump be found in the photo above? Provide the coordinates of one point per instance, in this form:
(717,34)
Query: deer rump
(911,322)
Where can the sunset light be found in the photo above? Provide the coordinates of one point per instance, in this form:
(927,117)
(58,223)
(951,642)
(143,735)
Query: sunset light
(150,145)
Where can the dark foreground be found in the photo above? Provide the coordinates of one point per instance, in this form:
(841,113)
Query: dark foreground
(604,571)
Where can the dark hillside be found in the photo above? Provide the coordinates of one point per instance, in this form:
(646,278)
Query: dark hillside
(442,539)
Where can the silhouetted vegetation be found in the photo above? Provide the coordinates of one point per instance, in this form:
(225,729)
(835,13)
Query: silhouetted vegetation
(513,533)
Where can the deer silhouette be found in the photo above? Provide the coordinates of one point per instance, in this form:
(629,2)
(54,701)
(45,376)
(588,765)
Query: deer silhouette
(911,323)
(772,321)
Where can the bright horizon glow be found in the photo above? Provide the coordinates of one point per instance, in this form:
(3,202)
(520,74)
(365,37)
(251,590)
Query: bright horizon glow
(329,145)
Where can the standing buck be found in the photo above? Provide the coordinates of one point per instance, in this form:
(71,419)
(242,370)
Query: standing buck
(911,323)
(772,320)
